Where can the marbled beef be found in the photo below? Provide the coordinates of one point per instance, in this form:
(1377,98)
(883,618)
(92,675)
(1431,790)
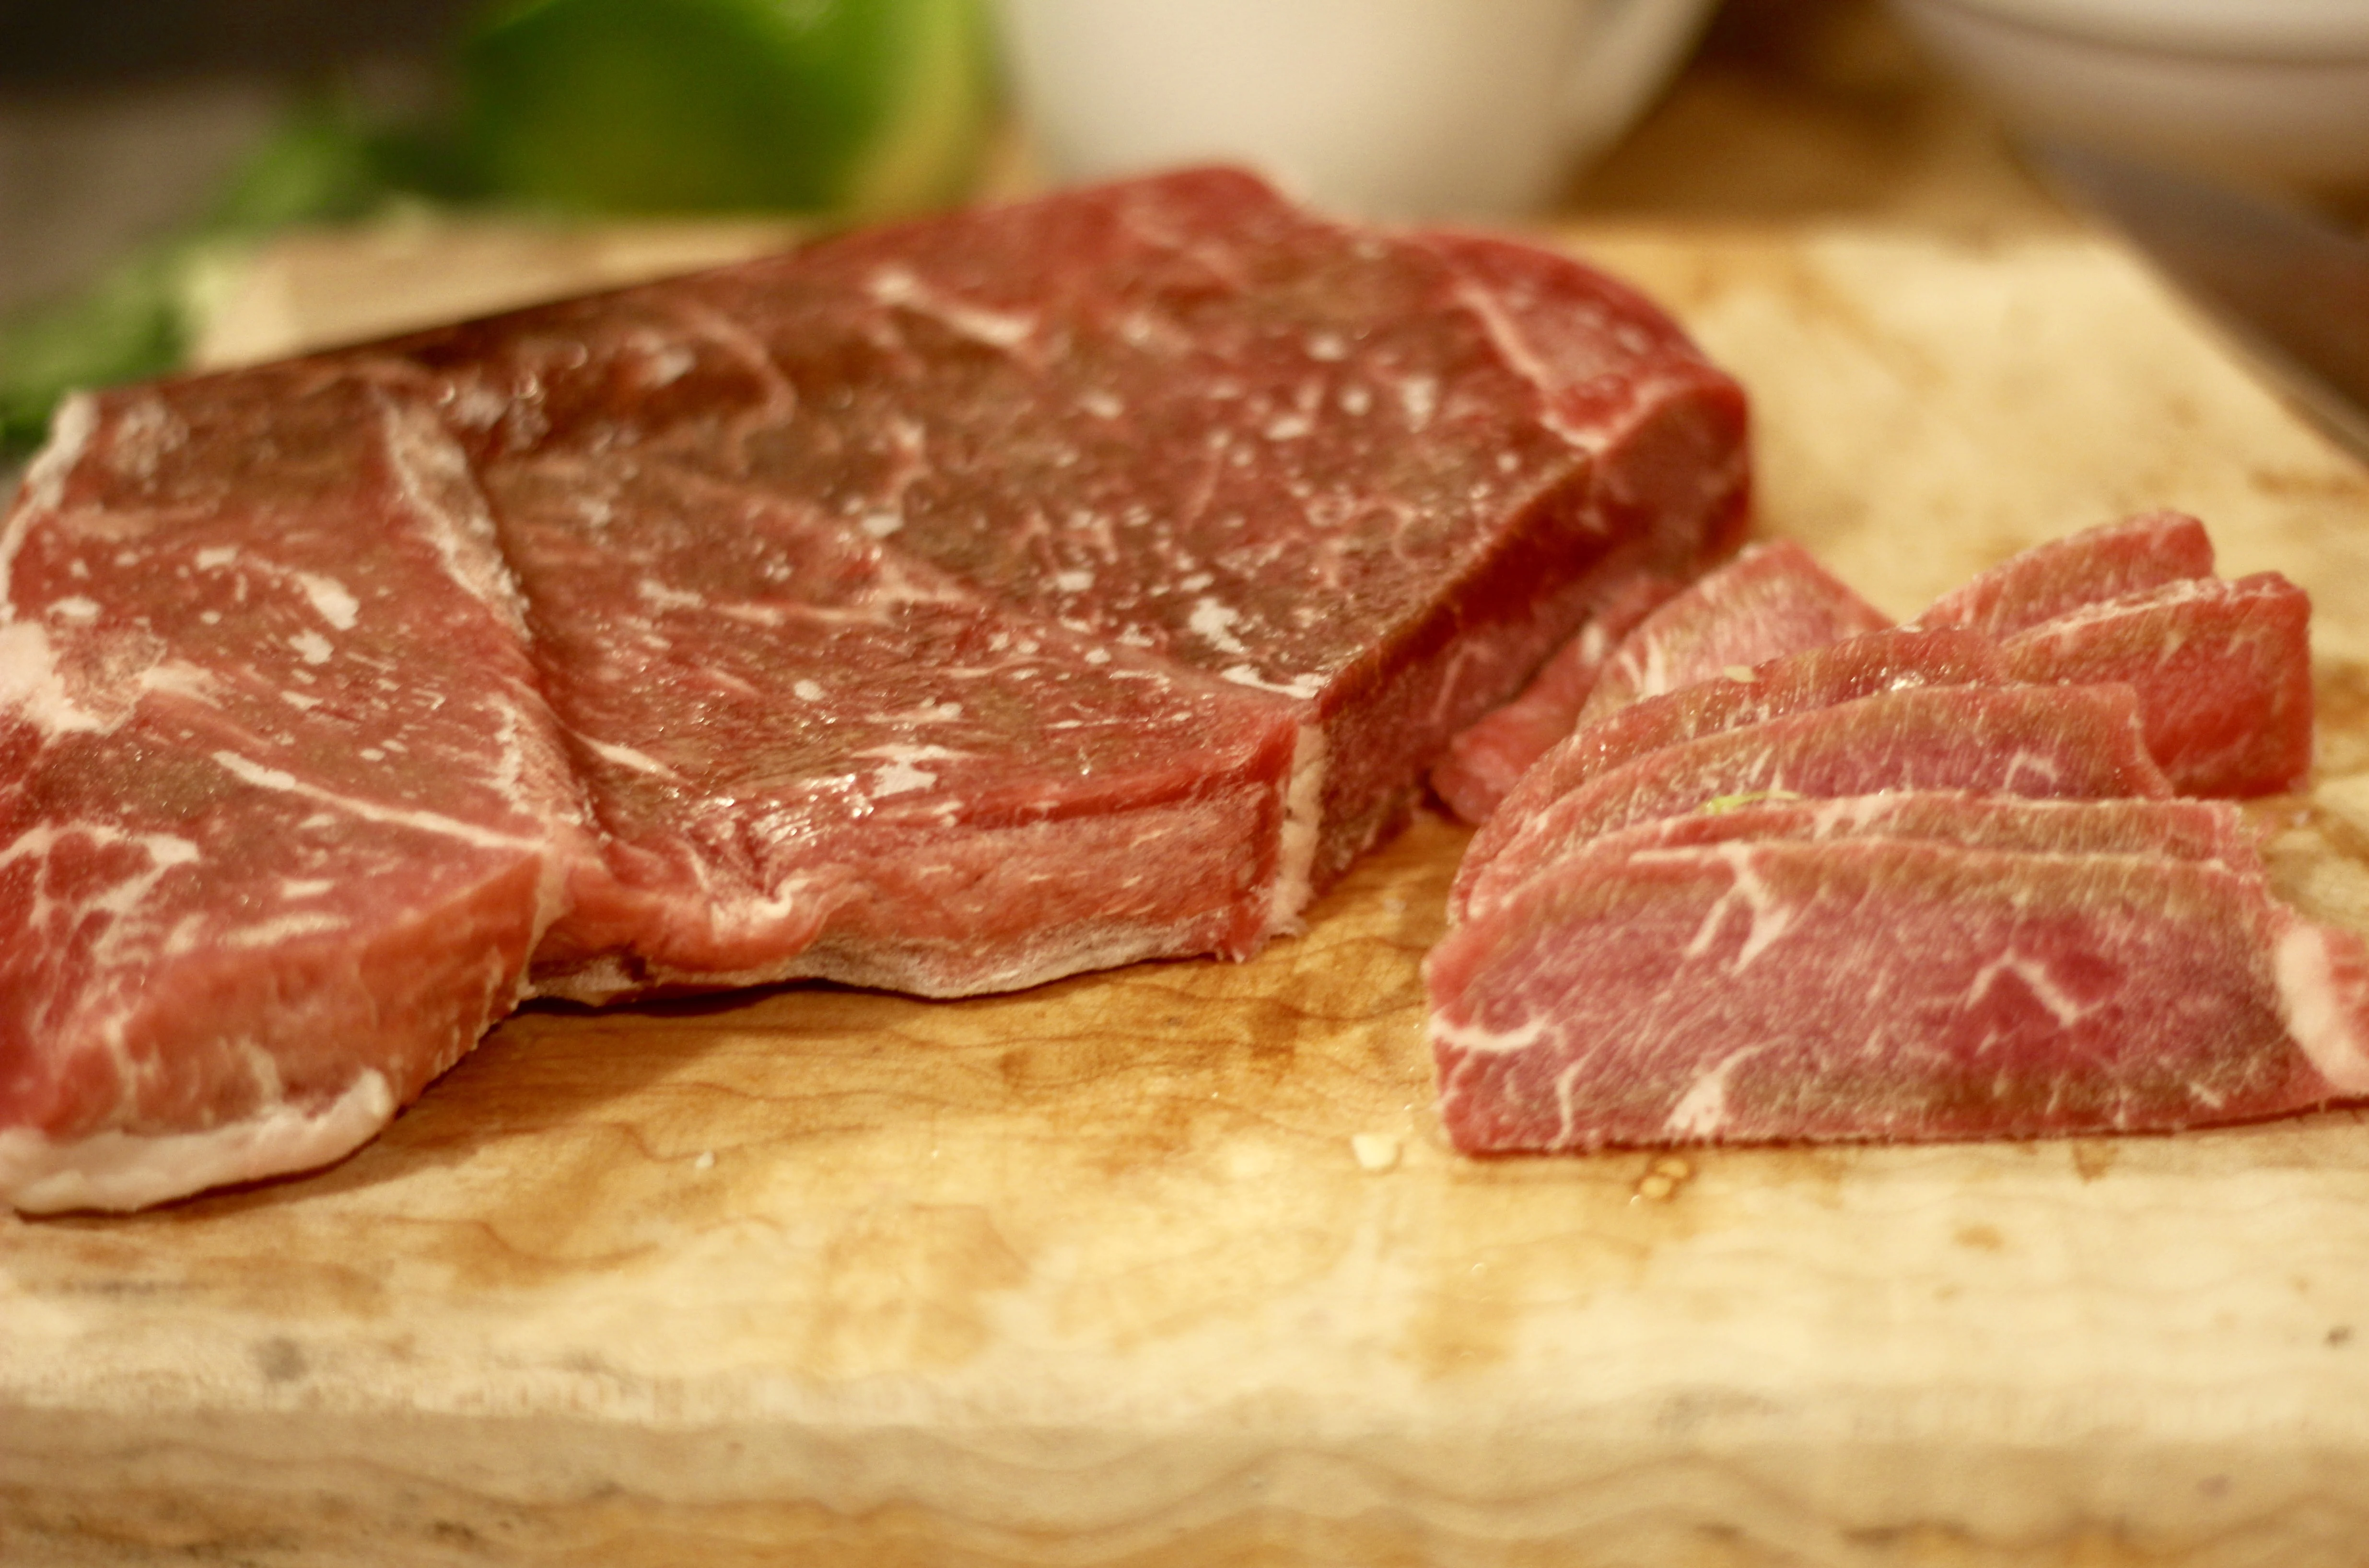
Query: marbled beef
(1773,598)
(2178,829)
(1890,660)
(281,810)
(2051,742)
(869,771)
(2222,669)
(1485,760)
(1882,989)
(1294,477)
(946,607)
(2060,574)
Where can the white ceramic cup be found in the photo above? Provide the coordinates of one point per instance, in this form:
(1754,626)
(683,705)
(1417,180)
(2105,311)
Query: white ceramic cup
(1385,107)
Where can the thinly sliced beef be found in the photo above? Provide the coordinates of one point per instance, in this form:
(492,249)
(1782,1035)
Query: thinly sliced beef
(2061,575)
(1485,762)
(1686,923)
(1777,599)
(1877,988)
(2051,742)
(1892,660)
(1774,599)
(2223,672)
(283,810)
(2181,829)
(948,606)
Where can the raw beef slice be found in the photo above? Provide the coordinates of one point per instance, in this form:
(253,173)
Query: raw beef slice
(1485,760)
(2222,669)
(1773,598)
(2177,829)
(2049,742)
(1877,988)
(1893,661)
(281,812)
(948,606)
(2132,556)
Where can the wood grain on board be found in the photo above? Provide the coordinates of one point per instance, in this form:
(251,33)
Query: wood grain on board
(1173,1266)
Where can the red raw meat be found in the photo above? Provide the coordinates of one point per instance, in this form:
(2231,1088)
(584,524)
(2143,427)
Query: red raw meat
(1876,989)
(2050,743)
(1181,416)
(2180,829)
(870,773)
(1892,660)
(2131,556)
(282,812)
(1331,471)
(1677,929)
(948,606)
(1485,762)
(1773,598)
(2222,671)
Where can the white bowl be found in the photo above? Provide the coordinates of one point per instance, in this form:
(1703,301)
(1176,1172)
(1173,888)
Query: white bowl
(2262,90)
(1398,109)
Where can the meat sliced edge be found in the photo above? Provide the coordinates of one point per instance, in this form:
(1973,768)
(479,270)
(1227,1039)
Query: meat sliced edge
(1678,980)
(2045,741)
(2222,669)
(1487,759)
(1896,658)
(1773,598)
(2139,553)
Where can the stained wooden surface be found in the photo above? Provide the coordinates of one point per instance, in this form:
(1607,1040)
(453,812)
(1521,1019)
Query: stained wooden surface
(1171,1265)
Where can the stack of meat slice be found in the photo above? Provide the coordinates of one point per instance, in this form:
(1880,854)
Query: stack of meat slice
(1650,639)
(946,608)
(1939,881)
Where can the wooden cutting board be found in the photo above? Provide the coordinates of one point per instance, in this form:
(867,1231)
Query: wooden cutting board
(1173,1266)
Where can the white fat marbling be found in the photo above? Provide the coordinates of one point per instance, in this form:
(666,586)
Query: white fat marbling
(1303,686)
(116,1169)
(627,757)
(2033,973)
(1477,1041)
(2323,1014)
(1303,821)
(1771,917)
(32,686)
(248,770)
(1213,621)
(899,288)
(330,600)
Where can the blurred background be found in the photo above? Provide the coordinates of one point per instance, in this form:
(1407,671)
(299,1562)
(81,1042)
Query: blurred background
(122,118)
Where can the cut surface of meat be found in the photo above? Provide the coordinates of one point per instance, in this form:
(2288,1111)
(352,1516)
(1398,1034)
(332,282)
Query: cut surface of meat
(2050,743)
(2132,556)
(1487,759)
(2177,829)
(2223,672)
(948,607)
(1890,660)
(1376,478)
(865,771)
(281,811)
(1878,989)
(1786,903)
(1774,599)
